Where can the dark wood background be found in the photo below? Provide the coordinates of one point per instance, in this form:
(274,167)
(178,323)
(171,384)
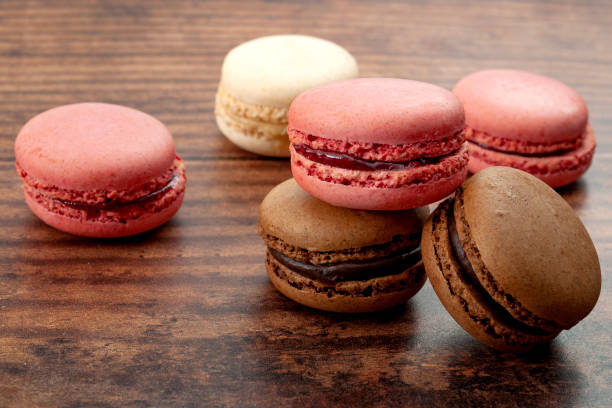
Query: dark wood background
(185,315)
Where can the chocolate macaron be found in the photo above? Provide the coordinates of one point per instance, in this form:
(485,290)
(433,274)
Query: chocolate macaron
(510,260)
(338,259)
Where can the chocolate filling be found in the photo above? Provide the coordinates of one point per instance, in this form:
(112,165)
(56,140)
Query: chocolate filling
(494,149)
(466,271)
(346,161)
(114,205)
(351,271)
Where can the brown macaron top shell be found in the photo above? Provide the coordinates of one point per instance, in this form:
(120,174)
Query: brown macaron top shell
(297,218)
(528,248)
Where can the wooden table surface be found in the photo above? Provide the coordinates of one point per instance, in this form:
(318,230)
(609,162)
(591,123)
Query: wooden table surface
(185,315)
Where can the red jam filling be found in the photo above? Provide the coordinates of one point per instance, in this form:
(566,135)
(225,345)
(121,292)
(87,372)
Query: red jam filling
(345,161)
(112,206)
(495,149)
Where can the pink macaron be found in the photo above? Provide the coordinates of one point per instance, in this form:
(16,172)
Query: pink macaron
(99,170)
(378,143)
(526,121)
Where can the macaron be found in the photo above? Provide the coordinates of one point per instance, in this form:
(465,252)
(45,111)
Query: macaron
(378,143)
(99,170)
(337,259)
(510,260)
(526,121)
(261,77)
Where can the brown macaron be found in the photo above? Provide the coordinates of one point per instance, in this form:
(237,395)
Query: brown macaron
(339,259)
(510,260)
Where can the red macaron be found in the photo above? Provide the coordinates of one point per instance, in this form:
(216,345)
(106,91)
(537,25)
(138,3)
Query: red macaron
(378,143)
(526,121)
(99,170)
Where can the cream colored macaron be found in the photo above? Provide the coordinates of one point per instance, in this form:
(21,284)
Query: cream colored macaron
(259,80)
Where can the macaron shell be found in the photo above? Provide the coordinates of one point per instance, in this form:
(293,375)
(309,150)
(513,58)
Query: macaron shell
(379,110)
(460,299)
(532,243)
(521,105)
(94,146)
(555,170)
(93,229)
(273,70)
(372,198)
(291,214)
(386,295)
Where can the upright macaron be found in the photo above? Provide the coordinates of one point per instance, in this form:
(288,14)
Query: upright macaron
(526,121)
(338,259)
(99,170)
(378,143)
(261,77)
(510,260)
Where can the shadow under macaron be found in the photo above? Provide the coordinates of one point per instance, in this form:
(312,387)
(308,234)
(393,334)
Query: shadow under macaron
(576,193)
(302,351)
(543,376)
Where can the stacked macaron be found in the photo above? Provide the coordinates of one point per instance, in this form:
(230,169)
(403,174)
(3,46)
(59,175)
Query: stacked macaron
(367,155)
(339,259)
(378,143)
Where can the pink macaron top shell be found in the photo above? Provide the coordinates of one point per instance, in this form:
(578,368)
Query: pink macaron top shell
(377,110)
(94,146)
(521,106)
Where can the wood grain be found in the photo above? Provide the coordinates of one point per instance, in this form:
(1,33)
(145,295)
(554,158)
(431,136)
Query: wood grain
(184,315)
